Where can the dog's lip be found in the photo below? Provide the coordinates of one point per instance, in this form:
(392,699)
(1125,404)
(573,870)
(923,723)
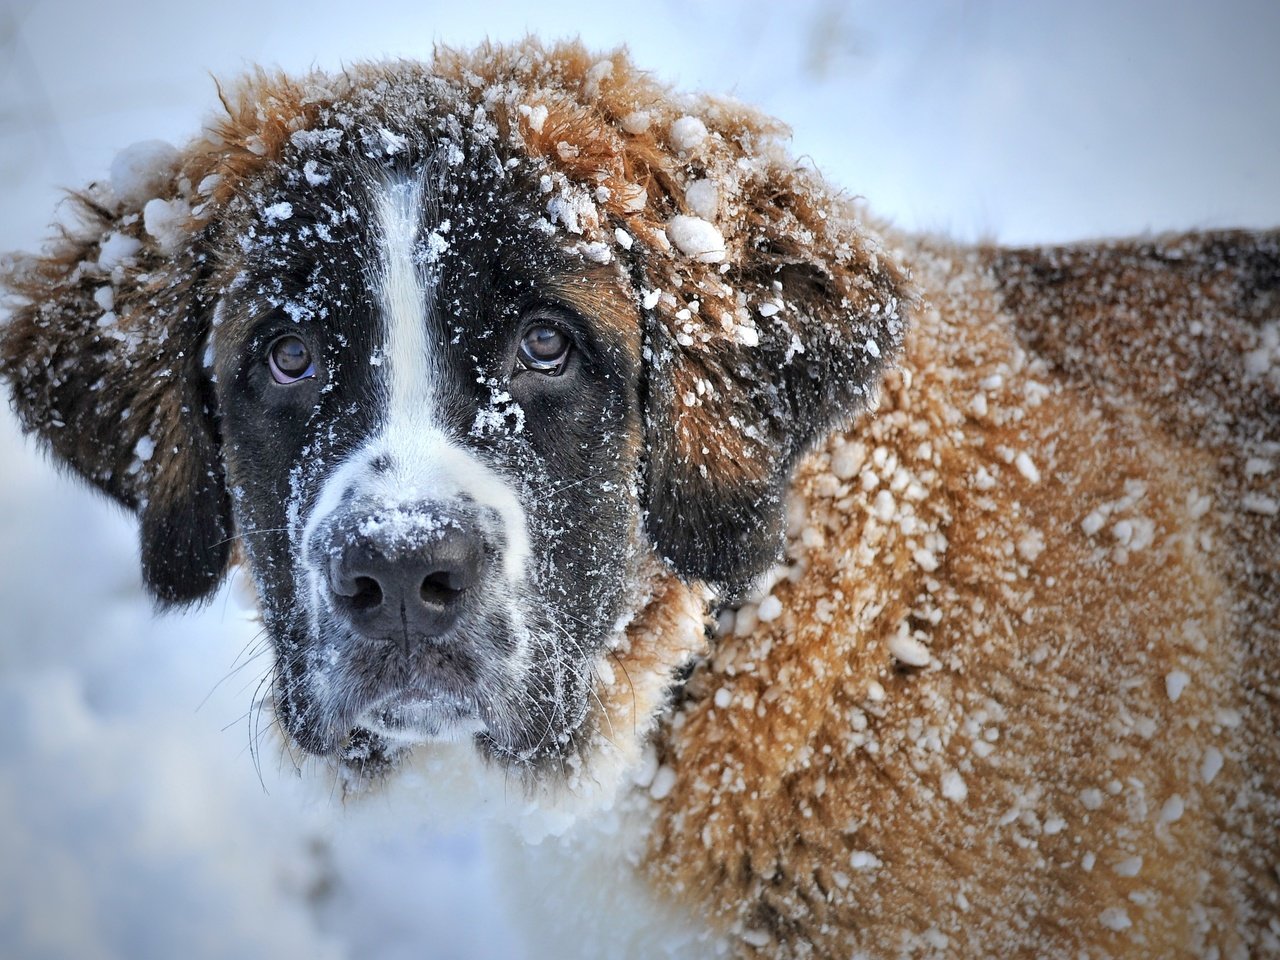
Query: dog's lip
(422,713)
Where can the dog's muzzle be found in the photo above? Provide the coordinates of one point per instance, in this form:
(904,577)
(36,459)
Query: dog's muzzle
(413,623)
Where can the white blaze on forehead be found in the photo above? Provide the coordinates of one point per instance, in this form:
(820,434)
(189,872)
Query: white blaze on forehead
(422,464)
(405,302)
(425,464)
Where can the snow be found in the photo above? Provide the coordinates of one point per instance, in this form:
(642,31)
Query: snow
(864,860)
(394,143)
(573,209)
(954,787)
(1128,867)
(142,172)
(847,460)
(695,237)
(134,822)
(536,115)
(703,198)
(1175,682)
(1260,503)
(1091,798)
(597,74)
(1030,545)
(596,252)
(165,220)
(1114,918)
(909,650)
(664,782)
(1258,466)
(313,172)
(1172,809)
(770,609)
(1027,467)
(636,122)
(1093,522)
(883,508)
(926,560)
(1210,764)
(687,133)
(634,197)
(277,212)
(116,250)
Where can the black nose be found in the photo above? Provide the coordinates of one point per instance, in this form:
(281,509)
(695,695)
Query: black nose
(403,576)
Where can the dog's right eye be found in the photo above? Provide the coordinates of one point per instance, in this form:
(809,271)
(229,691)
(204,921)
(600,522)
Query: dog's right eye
(544,349)
(290,360)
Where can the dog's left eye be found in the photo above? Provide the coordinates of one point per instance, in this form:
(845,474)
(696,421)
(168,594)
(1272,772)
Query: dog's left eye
(290,360)
(545,349)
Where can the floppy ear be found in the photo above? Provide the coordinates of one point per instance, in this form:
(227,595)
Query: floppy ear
(733,404)
(103,353)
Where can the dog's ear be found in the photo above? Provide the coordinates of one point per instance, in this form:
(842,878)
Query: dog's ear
(103,352)
(785,345)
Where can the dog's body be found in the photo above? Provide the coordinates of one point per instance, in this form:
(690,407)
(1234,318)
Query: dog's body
(1082,533)
(574,354)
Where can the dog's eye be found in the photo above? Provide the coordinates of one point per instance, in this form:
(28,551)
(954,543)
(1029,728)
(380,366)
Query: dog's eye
(290,360)
(545,349)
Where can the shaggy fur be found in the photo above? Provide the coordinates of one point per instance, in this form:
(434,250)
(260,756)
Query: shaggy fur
(1067,497)
(1014,688)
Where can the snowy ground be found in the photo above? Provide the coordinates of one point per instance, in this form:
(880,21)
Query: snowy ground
(132,821)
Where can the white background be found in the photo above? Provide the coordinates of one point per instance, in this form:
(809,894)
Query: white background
(132,821)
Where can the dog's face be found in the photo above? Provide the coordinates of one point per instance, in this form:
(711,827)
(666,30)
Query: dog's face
(431,432)
(455,355)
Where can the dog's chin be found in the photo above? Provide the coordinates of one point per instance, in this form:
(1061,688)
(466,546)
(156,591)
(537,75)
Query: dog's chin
(421,716)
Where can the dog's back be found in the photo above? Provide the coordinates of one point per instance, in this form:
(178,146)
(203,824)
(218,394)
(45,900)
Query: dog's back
(1021,697)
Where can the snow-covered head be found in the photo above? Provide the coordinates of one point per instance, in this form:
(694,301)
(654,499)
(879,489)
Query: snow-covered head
(465,360)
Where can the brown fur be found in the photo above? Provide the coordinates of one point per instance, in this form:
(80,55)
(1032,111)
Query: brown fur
(1061,499)
(1047,643)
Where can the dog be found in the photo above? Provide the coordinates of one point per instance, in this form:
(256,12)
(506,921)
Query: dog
(826,590)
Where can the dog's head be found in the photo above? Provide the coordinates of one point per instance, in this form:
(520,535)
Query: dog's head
(453,355)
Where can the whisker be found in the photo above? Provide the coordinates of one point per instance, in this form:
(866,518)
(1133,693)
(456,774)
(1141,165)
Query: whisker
(237,665)
(241,534)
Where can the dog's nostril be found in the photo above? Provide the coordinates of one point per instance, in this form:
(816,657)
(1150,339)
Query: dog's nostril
(441,587)
(405,580)
(368,594)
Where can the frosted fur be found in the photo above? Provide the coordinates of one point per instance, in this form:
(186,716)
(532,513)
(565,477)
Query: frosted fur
(1048,770)
(954,718)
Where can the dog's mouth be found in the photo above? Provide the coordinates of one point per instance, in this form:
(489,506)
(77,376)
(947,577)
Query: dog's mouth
(420,714)
(352,698)
(342,691)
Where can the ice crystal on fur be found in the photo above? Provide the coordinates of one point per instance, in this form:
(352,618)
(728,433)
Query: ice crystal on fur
(994,643)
